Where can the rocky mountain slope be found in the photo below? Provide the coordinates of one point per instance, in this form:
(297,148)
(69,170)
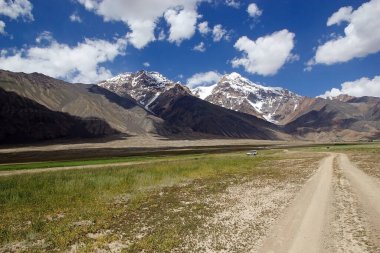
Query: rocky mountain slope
(176,104)
(123,114)
(235,92)
(23,120)
(337,119)
(178,107)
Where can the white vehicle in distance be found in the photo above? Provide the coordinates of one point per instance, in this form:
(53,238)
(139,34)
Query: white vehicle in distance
(252,153)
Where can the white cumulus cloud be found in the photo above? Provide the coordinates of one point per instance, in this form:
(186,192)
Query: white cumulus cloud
(203,79)
(253,10)
(361,35)
(182,24)
(267,54)
(16,8)
(142,17)
(146,64)
(203,28)
(200,47)
(218,33)
(343,14)
(80,63)
(358,88)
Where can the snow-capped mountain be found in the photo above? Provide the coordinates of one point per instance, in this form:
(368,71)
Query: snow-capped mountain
(143,86)
(233,91)
(186,113)
(240,94)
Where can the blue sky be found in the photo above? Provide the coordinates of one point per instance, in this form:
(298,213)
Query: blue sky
(296,44)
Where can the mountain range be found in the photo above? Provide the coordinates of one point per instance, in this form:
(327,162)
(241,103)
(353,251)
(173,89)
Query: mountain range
(35,107)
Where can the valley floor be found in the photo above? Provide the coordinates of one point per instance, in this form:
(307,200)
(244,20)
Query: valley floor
(317,199)
(136,142)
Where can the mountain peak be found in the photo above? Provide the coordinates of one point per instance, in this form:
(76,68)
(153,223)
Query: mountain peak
(233,76)
(142,77)
(153,74)
(237,81)
(144,86)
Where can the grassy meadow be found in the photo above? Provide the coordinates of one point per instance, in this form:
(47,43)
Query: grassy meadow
(49,208)
(146,207)
(85,162)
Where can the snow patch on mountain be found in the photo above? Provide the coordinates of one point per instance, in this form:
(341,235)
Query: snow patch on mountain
(152,100)
(203,92)
(258,105)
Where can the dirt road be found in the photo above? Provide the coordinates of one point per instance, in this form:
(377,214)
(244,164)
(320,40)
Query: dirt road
(338,210)
(301,227)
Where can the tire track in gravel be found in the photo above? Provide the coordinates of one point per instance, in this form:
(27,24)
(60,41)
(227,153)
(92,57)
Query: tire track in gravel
(368,191)
(301,229)
(348,226)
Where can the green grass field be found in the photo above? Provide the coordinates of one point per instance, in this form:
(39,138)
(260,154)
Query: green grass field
(85,162)
(45,206)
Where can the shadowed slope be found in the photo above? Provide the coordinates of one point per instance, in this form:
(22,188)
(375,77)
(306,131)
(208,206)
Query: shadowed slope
(324,119)
(23,120)
(178,107)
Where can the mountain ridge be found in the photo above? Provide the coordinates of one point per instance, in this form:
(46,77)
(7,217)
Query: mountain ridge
(123,114)
(147,103)
(277,105)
